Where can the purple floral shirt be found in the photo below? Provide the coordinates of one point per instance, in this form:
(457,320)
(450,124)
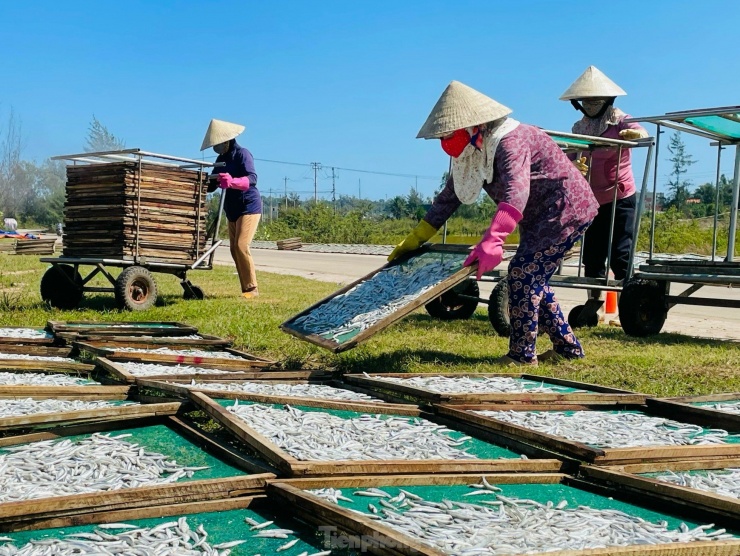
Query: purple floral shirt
(532,174)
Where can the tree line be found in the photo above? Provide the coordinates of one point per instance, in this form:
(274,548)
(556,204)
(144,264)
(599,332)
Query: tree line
(33,192)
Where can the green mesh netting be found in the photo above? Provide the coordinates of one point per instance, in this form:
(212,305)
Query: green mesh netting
(221,527)
(480,448)
(541,493)
(717,124)
(164,440)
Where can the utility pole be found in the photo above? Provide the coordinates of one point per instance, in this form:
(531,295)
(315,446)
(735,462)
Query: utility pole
(286,191)
(416,184)
(359,188)
(333,190)
(271,204)
(316,167)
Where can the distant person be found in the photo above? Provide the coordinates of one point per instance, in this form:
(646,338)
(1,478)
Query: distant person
(10,224)
(243,203)
(59,229)
(535,186)
(593,94)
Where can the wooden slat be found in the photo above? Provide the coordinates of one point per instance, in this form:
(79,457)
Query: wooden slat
(92,392)
(369,407)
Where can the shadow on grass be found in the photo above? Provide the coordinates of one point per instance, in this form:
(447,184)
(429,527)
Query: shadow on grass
(399,361)
(662,339)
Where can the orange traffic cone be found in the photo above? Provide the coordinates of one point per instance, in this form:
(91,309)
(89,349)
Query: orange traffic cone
(611,302)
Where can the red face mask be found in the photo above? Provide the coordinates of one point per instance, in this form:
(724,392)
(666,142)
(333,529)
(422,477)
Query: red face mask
(456,143)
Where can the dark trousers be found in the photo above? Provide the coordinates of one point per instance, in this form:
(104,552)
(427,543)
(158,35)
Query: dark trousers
(596,239)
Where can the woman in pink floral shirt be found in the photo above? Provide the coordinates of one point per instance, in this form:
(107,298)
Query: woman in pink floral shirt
(534,185)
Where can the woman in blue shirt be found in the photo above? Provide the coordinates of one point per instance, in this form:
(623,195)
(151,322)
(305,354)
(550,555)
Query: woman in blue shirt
(243,203)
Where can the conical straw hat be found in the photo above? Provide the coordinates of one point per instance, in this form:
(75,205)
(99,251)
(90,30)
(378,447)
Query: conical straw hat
(592,83)
(459,107)
(220,132)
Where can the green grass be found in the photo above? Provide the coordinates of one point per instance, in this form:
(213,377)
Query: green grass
(665,365)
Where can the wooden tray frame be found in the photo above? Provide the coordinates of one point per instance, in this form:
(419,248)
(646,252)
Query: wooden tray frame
(41,365)
(627,478)
(370,407)
(95,392)
(423,299)
(381,539)
(48,420)
(119,374)
(701,415)
(291,466)
(105,328)
(79,509)
(109,342)
(7,340)
(45,351)
(247,361)
(578,450)
(597,395)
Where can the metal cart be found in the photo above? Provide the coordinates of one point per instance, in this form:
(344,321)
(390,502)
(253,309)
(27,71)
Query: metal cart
(63,287)
(646,298)
(462,301)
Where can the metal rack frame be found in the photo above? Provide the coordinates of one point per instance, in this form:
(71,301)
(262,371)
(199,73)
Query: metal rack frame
(657,274)
(204,261)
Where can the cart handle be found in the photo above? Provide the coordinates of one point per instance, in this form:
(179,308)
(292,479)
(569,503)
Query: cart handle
(205,255)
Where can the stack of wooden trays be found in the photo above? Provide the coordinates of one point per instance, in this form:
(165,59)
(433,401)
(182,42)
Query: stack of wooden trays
(109,205)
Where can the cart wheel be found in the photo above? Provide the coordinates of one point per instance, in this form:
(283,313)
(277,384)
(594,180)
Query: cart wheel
(450,306)
(135,289)
(58,289)
(193,292)
(498,309)
(642,307)
(577,320)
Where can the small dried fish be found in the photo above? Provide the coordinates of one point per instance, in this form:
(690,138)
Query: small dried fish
(272,388)
(25,333)
(464,384)
(725,482)
(183,352)
(152,369)
(43,379)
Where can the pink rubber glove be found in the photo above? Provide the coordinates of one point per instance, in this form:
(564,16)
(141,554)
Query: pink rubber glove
(225,181)
(490,251)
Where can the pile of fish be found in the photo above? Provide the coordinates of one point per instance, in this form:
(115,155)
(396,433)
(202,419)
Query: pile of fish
(35,357)
(97,463)
(152,369)
(380,296)
(606,429)
(727,407)
(725,482)
(316,435)
(468,385)
(270,388)
(29,406)
(41,379)
(497,525)
(186,352)
(25,333)
(175,537)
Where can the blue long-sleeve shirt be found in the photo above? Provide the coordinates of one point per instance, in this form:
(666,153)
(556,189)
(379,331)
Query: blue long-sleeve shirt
(239,162)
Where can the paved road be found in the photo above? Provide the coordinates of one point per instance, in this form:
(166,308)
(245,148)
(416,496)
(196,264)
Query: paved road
(708,322)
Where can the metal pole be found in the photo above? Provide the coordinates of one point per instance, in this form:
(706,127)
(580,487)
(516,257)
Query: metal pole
(138,209)
(286,192)
(655,192)
(733,208)
(614,215)
(639,210)
(716,203)
(581,267)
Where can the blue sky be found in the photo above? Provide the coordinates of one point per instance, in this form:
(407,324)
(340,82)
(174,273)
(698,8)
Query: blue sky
(348,83)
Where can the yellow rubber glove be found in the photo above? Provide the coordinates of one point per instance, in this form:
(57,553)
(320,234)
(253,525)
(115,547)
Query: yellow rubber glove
(582,165)
(632,134)
(423,232)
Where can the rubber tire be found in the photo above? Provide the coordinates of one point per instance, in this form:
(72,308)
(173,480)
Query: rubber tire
(449,306)
(195,292)
(642,307)
(498,309)
(575,312)
(56,289)
(135,289)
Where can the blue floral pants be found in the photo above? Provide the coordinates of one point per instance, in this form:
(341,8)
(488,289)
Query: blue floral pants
(532,303)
